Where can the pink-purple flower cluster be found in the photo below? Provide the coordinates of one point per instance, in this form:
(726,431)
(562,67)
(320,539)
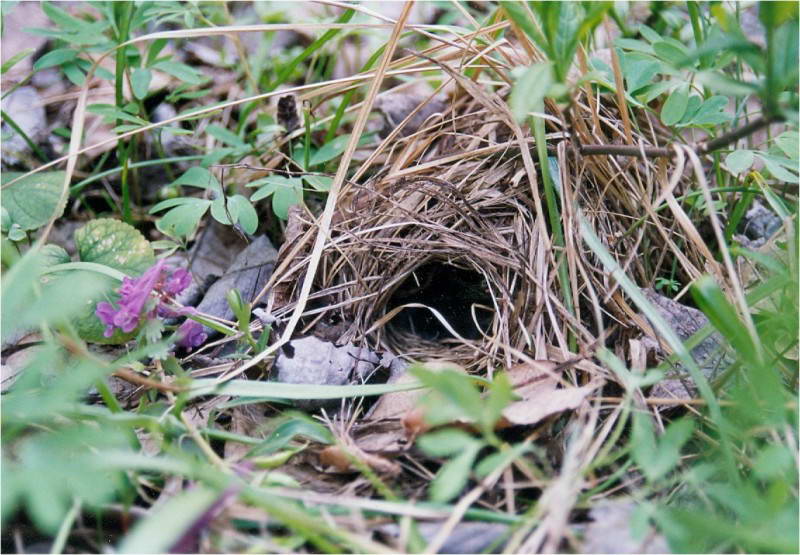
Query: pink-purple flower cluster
(145,296)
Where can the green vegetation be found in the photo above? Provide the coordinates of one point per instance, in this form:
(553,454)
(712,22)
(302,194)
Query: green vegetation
(634,148)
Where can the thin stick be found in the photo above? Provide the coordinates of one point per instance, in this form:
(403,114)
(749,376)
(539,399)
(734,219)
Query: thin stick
(658,401)
(134,378)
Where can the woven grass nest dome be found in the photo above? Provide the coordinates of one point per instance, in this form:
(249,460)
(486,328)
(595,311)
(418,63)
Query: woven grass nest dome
(453,217)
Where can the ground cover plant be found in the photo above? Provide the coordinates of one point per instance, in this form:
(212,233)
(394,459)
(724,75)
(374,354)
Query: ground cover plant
(400,277)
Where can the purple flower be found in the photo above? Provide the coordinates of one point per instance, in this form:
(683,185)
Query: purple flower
(143,296)
(105,311)
(191,334)
(178,281)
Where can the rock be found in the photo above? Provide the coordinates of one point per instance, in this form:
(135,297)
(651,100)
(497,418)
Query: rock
(759,224)
(466,537)
(248,273)
(25,107)
(215,251)
(17,18)
(396,107)
(710,354)
(309,360)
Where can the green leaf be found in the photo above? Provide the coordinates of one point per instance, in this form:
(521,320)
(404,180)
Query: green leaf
(112,113)
(115,244)
(516,11)
(669,448)
(54,254)
(634,45)
(454,474)
(220,211)
(283,198)
(712,301)
(500,395)
(198,176)
(268,185)
(14,60)
(739,160)
(457,388)
(140,82)
(781,168)
(160,530)
(711,112)
(719,82)
(692,106)
(55,58)
(248,218)
(643,442)
(638,71)
(501,458)
(89,327)
(292,392)
(777,13)
(444,443)
(789,143)
(332,149)
(530,89)
(217,155)
(47,489)
(61,18)
(773,461)
(225,136)
(181,71)
(670,52)
(296,424)
(320,183)
(24,306)
(33,200)
(154,49)
(675,106)
(180,201)
(183,220)
(648,33)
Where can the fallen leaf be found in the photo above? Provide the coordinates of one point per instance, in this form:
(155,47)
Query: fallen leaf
(546,403)
(536,383)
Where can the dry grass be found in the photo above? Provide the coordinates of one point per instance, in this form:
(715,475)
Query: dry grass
(457,192)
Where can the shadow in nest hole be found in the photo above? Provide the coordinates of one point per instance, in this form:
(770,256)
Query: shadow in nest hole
(453,291)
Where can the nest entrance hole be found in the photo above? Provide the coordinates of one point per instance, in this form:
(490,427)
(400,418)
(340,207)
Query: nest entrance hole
(449,289)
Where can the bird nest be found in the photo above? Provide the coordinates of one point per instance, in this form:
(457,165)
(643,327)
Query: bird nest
(447,249)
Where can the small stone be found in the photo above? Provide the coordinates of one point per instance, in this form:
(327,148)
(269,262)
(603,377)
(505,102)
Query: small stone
(25,107)
(396,107)
(710,355)
(309,360)
(760,223)
(249,273)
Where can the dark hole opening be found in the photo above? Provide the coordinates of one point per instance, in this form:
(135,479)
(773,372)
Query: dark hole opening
(450,290)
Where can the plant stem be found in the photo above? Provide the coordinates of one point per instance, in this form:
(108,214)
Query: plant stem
(123,12)
(98,176)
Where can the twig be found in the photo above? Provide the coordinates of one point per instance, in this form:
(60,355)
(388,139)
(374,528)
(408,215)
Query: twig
(658,401)
(134,378)
(700,148)
(736,134)
(625,150)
